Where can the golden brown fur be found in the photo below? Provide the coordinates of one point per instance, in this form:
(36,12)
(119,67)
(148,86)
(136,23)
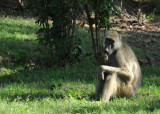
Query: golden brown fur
(121,74)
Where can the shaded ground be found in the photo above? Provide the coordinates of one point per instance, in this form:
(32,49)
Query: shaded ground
(145,36)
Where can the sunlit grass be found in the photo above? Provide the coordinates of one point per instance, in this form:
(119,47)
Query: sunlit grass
(153,17)
(62,90)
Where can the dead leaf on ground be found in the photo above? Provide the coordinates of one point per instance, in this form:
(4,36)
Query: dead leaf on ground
(147,94)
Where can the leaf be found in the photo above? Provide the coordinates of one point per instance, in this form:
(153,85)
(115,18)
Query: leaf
(137,104)
(144,95)
(81,24)
(110,12)
(105,19)
(116,9)
(90,37)
(79,96)
(148,28)
(40,35)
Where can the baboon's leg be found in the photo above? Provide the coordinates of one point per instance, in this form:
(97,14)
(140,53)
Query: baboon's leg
(128,91)
(99,88)
(110,87)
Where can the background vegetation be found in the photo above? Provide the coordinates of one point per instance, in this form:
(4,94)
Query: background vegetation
(27,85)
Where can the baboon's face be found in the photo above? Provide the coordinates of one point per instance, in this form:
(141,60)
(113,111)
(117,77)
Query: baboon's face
(109,46)
(108,49)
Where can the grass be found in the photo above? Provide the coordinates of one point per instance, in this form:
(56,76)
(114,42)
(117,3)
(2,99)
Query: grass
(60,90)
(153,17)
(141,53)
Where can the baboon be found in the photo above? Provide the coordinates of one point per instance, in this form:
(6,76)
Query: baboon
(120,73)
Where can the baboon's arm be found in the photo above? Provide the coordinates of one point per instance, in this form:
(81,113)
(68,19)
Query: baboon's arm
(122,72)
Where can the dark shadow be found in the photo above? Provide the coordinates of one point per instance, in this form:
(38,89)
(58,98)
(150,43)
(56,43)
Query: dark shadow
(16,13)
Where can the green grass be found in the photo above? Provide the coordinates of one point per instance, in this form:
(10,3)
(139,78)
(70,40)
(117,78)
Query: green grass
(16,36)
(60,90)
(141,53)
(153,17)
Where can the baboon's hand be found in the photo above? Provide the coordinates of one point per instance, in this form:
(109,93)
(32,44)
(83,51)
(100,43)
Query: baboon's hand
(101,74)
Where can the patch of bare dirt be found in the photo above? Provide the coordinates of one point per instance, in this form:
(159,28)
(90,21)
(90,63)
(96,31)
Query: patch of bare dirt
(145,36)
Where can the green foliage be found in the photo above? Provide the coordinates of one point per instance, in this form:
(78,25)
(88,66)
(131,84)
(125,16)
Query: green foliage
(153,17)
(98,13)
(157,4)
(59,36)
(102,10)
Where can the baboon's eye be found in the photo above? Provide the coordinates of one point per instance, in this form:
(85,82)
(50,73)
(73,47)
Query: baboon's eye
(105,51)
(109,42)
(108,49)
